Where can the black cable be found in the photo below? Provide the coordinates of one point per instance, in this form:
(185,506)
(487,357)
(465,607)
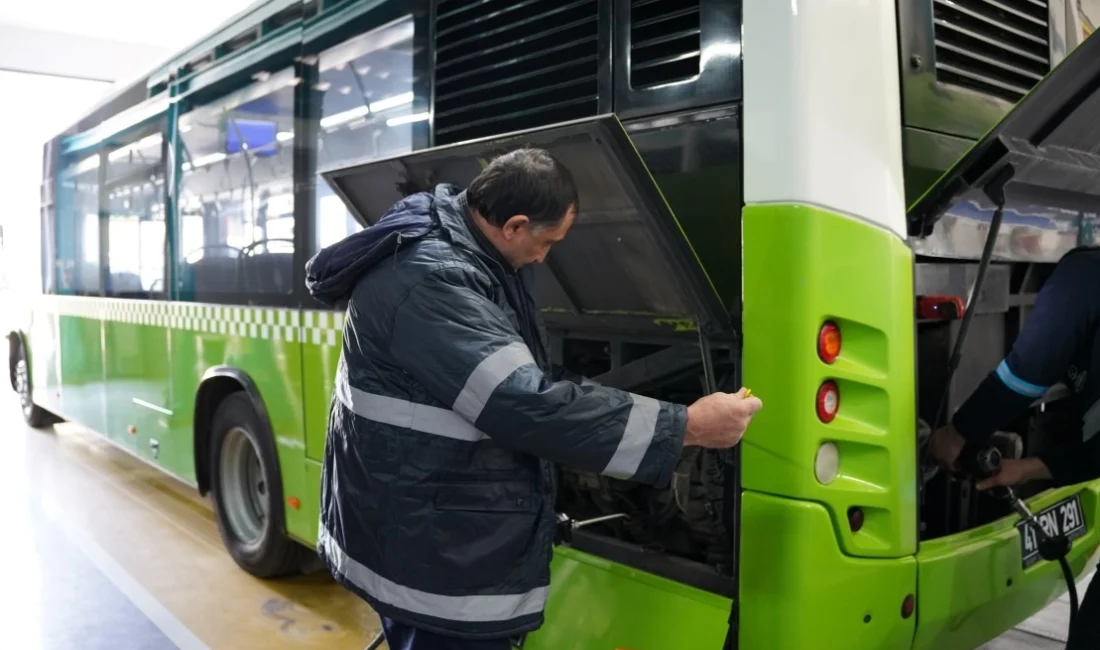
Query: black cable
(1071,586)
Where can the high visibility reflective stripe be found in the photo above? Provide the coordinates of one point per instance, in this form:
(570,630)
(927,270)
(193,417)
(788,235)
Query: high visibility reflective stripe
(501,607)
(403,413)
(1018,385)
(641,425)
(488,374)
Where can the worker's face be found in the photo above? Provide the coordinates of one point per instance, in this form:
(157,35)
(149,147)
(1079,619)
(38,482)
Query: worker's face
(522,242)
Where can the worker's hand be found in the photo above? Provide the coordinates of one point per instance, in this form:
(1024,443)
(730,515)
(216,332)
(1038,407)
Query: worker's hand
(945,444)
(719,420)
(1014,472)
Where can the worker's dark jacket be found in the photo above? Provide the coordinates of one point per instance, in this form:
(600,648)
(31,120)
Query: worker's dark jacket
(1060,341)
(437,497)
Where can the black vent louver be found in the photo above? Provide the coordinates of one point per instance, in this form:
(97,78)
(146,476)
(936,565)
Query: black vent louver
(664,42)
(996,47)
(503,65)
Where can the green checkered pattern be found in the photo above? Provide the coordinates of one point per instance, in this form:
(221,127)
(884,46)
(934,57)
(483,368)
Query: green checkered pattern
(264,323)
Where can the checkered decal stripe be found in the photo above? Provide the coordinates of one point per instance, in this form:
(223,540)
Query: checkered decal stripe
(265,323)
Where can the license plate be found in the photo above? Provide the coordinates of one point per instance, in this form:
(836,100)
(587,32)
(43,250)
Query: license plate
(1062,518)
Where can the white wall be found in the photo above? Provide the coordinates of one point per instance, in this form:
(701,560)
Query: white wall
(41,51)
(34,109)
(57,58)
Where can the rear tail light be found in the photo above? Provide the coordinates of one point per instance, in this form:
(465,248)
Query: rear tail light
(828,401)
(828,342)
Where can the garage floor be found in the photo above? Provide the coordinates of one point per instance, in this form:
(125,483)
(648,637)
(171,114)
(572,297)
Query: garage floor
(104,553)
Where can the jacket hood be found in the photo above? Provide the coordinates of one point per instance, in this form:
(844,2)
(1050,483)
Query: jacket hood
(333,272)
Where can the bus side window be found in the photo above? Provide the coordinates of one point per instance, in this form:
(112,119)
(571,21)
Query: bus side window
(134,201)
(77,260)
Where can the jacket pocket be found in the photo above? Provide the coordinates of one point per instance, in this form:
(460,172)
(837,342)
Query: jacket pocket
(497,496)
(482,536)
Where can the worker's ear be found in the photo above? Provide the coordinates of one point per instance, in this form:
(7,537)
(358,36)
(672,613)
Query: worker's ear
(514,226)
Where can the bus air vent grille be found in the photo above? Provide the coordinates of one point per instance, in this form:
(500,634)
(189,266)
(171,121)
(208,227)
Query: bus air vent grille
(664,42)
(995,47)
(507,65)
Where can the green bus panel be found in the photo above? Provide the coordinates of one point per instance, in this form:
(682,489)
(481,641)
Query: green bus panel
(595,604)
(320,356)
(137,367)
(45,358)
(83,397)
(264,343)
(803,267)
(135,363)
(973,586)
(800,591)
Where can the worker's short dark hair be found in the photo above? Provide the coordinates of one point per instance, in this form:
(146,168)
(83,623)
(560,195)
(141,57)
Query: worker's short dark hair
(525,181)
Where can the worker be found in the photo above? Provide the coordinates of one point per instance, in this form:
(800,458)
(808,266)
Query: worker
(438,480)
(1060,341)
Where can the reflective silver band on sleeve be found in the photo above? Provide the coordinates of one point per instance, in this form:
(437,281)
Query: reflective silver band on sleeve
(500,607)
(489,374)
(403,413)
(641,426)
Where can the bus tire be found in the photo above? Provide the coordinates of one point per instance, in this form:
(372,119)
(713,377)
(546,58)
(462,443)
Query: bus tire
(246,490)
(34,415)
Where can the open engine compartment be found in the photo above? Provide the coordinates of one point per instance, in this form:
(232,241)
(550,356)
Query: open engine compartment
(640,294)
(950,504)
(682,531)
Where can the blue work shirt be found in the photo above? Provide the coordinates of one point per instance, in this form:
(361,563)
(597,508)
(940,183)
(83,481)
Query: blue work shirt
(1060,341)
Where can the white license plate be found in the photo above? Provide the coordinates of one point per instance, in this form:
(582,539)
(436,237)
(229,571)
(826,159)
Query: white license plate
(1062,518)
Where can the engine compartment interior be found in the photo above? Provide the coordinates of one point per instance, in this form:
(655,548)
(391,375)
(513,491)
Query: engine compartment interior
(949,503)
(683,531)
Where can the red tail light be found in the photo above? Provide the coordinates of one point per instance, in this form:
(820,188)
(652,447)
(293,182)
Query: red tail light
(908,605)
(828,401)
(828,342)
(855,518)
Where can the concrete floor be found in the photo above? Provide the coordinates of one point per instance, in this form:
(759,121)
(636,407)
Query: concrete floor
(104,553)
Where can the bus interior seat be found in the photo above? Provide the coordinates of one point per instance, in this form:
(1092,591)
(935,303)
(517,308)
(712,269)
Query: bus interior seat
(268,273)
(125,284)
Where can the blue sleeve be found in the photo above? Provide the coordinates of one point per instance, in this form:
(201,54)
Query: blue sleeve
(1063,322)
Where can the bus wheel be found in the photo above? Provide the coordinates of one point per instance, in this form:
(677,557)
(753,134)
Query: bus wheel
(247,491)
(21,375)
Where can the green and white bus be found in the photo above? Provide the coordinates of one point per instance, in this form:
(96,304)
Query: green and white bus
(794,195)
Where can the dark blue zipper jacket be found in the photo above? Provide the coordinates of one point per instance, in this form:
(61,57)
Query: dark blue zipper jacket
(438,484)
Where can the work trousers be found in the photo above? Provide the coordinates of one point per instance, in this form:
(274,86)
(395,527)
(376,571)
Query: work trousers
(1085,634)
(404,637)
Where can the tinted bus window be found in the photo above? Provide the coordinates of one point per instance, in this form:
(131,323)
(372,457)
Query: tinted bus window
(134,188)
(236,200)
(368,111)
(77,263)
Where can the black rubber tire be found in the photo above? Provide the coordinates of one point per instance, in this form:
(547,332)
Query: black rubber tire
(274,554)
(34,415)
